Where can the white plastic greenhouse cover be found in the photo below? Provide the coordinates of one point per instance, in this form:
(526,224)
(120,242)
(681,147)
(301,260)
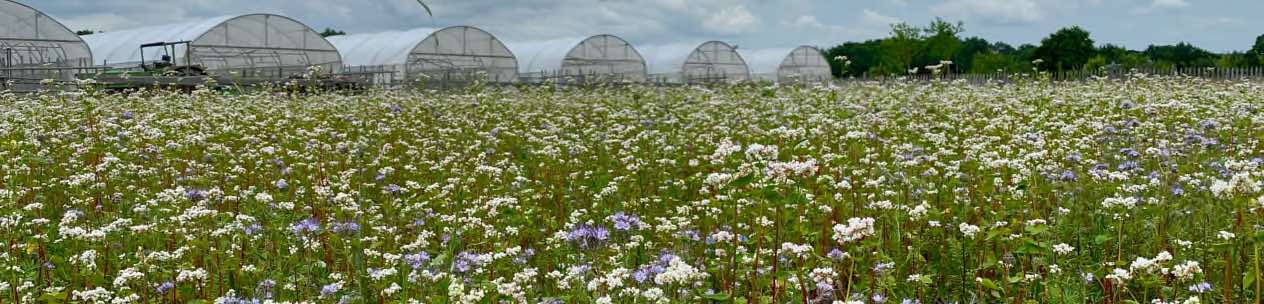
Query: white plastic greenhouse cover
(602,56)
(254,45)
(452,52)
(714,61)
(804,64)
(30,38)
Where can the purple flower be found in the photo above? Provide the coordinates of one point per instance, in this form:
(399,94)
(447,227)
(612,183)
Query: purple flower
(465,262)
(1068,176)
(1130,152)
(587,236)
(522,258)
(691,235)
(165,287)
(392,188)
(252,229)
(265,288)
(348,227)
(1177,190)
(1200,287)
(878,298)
(281,184)
(624,222)
(417,260)
(194,194)
(836,254)
(307,225)
(328,290)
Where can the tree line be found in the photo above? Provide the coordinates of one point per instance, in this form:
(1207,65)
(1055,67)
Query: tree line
(939,48)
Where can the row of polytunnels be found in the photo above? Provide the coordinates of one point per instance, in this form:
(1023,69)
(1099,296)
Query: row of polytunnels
(274,46)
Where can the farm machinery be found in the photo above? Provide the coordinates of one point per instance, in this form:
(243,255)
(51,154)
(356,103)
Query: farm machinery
(176,69)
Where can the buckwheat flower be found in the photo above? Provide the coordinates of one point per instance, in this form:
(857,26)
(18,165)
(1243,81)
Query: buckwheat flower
(856,229)
(1187,270)
(968,230)
(1202,287)
(263,197)
(1225,235)
(1063,249)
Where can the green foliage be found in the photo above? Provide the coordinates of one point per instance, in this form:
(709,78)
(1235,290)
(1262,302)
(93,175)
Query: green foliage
(329,32)
(1067,49)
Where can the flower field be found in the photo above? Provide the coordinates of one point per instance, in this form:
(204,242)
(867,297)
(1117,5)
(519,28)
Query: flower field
(1144,190)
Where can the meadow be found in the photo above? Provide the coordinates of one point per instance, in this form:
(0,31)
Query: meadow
(1142,190)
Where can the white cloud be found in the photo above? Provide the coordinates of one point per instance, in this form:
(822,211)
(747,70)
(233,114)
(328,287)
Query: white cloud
(1170,3)
(872,18)
(992,11)
(731,20)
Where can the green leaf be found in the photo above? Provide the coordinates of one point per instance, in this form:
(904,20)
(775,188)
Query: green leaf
(717,297)
(989,284)
(1101,239)
(742,181)
(1248,278)
(1259,236)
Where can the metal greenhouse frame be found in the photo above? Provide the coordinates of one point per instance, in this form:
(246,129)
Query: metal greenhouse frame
(804,64)
(714,61)
(250,46)
(597,58)
(453,54)
(34,46)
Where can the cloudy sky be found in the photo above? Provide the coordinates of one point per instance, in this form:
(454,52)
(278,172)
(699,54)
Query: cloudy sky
(1218,25)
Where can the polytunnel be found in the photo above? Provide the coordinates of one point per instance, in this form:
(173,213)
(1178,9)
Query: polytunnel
(600,57)
(254,45)
(804,64)
(452,53)
(711,61)
(37,47)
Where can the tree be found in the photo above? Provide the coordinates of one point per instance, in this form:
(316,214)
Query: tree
(1257,51)
(941,40)
(865,57)
(1067,49)
(1181,55)
(901,48)
(328,32)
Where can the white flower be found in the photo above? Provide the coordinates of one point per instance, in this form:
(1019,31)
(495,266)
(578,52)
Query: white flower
(1225,235)
(1063,249)
(678,272)
(968,230)
(856,229)
(1187,271)
(1119,275)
